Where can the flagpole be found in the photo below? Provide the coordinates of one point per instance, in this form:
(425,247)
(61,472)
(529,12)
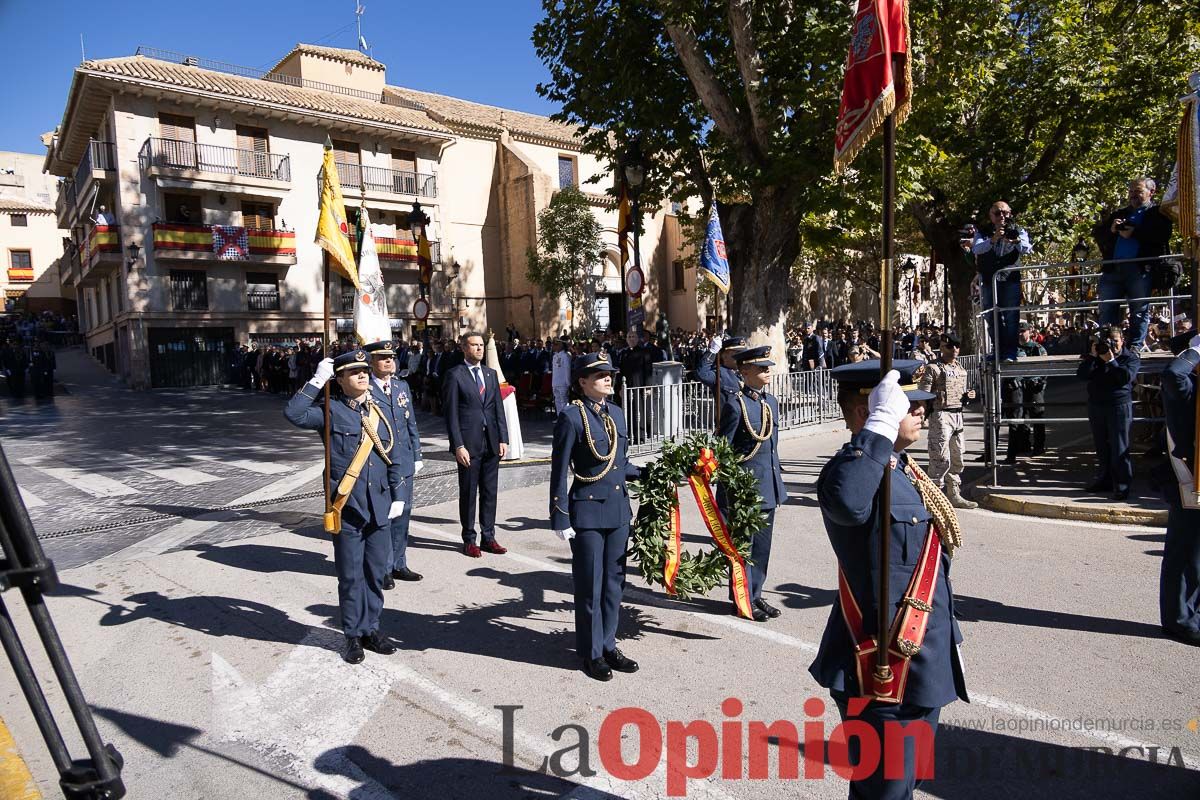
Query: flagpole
(326,353)
(883,673)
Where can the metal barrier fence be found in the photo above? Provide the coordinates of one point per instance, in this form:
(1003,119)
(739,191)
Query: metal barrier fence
(656,414)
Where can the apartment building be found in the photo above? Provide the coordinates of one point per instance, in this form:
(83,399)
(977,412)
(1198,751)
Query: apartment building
(31,242)
(190,193)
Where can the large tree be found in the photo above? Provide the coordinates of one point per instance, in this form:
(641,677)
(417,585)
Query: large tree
(1049,104)
(569,247)
(731,100)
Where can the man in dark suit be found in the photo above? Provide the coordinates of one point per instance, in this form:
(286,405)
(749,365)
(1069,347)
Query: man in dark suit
(478,439)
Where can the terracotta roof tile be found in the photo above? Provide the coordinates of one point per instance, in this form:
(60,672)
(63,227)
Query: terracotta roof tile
(453,110)
(21,204)
(338,53)
(145,69)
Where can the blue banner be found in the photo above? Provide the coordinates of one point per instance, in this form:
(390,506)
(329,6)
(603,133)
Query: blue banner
(714,264)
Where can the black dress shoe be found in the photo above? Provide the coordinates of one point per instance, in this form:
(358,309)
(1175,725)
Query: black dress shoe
(756,613)
(406,574)
(388,583)
(377,644)
(768,609)
(620,662)
(1100,486)
(1120,496)
(597,669)
(354,652)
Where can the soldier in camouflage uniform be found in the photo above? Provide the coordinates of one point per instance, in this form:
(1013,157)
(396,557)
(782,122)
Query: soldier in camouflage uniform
(947,379)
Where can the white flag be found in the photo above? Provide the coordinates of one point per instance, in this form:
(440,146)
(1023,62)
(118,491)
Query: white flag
(370,303)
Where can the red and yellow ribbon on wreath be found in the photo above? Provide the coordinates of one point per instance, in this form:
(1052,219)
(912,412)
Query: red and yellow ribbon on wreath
(700,480)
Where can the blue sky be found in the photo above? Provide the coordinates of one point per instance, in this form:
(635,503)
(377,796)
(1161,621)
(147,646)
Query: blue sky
(474,49)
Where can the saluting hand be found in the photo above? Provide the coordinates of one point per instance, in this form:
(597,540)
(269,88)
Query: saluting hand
(323,374)
(888,406)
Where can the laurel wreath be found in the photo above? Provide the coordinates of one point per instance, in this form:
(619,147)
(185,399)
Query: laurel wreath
(658,494)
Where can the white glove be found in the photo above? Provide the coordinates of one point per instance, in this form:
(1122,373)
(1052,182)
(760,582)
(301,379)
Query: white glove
(396,510)
(323,374)
(888,405)
(417,467)
(566,535)
(714,346)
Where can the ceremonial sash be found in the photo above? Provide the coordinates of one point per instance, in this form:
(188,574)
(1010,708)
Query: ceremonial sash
(699,480)
(333,517)
(908,627)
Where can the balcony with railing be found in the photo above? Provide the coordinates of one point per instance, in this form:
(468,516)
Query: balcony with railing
(231,165)
(99,161)
(100,253)
(265,300)
(180,241)
(359,178)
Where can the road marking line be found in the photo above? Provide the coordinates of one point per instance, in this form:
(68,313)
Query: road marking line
(89,482)
(16,781)
(249,465)
(995,703)
(30,499)
(282,486)
(184,476)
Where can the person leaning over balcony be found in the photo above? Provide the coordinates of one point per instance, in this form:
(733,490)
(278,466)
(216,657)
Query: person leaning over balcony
(1138,231)
(1000,243)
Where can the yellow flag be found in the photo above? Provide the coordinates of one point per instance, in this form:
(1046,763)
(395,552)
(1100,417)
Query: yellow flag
(332,231)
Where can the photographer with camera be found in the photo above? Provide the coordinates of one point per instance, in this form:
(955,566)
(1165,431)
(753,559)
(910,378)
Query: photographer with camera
(1000,243)
(1110,370)
(1139,230)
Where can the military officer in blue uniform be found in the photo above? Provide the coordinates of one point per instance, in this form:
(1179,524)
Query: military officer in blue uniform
(395,398)
(749,421)
(884,418)
(368,487)
(593,514)
(1179,583)
(706,370)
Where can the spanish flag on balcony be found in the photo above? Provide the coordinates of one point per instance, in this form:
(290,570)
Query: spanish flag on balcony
(332,231)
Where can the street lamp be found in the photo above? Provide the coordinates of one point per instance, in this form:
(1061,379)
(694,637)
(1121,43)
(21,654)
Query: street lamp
(910,269)
(134,251)
(1079,254)
(633,171)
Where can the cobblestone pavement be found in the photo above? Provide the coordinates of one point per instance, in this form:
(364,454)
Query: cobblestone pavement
(102,467)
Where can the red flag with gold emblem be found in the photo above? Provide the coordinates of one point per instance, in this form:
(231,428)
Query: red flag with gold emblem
(878,77)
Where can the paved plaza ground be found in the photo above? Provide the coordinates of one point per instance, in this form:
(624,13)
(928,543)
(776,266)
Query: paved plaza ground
(205,635)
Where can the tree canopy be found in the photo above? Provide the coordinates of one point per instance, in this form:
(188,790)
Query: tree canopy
(1049,104)
(569,245)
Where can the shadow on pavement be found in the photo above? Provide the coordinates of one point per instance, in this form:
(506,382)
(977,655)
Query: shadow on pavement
(444,778)
(210,614)
(264,558)
(977,609)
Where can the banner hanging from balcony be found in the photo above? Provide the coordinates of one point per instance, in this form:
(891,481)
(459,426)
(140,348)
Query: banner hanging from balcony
(396,250)
(230,243)
(371,322)
(103,239)
(203,239)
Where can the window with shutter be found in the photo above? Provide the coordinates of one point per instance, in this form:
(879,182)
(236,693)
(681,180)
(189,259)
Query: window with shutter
(404,171)
(346,154)
(178,146)
(253,152)
(260,216)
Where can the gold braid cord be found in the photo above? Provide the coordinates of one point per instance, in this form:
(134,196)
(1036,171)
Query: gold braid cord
(610,427)
(371,433)
(944,516)
(768,426)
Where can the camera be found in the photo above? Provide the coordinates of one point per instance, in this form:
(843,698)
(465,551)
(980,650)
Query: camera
(1125,226)
(1012,233)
